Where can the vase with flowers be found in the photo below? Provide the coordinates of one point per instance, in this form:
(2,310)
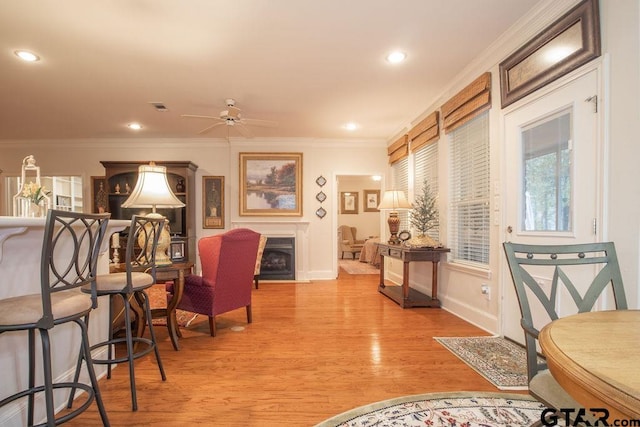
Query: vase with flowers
(37,195)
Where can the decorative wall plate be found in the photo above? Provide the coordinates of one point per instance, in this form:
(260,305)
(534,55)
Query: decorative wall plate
(321,197)
(320,213)
(321,181)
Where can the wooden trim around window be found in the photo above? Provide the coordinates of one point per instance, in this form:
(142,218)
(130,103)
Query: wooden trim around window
(424,132)
(468,103)
(398,150)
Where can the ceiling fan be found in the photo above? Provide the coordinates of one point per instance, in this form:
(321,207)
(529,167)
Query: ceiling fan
(231,116)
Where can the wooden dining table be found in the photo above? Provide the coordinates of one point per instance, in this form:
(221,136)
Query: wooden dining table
(594,357)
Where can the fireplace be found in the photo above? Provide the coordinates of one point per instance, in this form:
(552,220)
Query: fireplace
(279,259)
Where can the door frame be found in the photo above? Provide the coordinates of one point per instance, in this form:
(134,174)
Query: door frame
(601,68)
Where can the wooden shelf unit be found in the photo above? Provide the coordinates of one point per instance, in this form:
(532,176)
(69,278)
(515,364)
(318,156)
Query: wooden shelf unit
(120,175)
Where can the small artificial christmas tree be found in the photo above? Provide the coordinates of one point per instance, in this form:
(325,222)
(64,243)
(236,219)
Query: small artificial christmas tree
(424,217)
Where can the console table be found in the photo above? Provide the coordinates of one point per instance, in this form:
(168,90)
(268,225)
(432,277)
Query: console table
(404,295)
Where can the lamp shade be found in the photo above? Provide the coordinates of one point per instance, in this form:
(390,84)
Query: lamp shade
(394,199)
(152,189)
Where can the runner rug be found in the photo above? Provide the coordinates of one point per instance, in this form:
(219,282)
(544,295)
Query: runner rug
(352,266)
(468,409)
(500,361)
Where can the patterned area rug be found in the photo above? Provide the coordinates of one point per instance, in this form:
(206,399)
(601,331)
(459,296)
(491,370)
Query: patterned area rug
(356,267)
(158,299)
(466,409)
(500,361)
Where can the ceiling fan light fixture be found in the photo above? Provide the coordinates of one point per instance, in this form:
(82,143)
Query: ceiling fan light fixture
(134,126)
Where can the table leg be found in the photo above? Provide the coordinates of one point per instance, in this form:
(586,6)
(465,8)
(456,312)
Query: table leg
(172,323)
(381,271)
(434,281)
(405,284)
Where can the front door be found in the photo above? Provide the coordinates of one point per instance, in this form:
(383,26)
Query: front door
(553,177)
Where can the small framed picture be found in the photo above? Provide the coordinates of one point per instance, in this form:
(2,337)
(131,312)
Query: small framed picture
(213,202)
(348,202)
(99,197)
(371,200)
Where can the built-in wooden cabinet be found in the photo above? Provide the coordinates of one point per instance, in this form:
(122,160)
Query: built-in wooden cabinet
(121,178)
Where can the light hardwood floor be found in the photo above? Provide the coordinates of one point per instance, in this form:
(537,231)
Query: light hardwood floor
(313,350)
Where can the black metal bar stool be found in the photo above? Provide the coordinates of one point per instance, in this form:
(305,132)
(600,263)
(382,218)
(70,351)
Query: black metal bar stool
(70,250)
(140,274)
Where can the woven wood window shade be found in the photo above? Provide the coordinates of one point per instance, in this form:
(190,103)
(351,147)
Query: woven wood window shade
(467,104)
(398,150)
(424,132)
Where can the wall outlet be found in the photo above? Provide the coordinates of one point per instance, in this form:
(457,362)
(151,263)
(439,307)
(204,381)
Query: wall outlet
(486,291)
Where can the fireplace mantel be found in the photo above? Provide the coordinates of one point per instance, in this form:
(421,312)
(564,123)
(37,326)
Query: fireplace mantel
(297,229)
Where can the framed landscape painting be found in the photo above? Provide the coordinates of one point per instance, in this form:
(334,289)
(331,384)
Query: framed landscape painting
(271,184)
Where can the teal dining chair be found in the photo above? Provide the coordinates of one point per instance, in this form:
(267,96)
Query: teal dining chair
(550,283)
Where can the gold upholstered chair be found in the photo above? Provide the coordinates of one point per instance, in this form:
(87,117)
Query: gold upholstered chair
(261,246)
(348,241)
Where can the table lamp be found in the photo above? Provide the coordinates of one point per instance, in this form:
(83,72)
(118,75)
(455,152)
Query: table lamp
(152,191)
(394,200)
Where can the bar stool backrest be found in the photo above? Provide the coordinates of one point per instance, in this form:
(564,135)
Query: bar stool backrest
(64,268)
(142,244)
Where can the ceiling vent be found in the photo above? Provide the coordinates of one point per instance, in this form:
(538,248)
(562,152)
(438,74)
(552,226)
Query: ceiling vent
(159,106)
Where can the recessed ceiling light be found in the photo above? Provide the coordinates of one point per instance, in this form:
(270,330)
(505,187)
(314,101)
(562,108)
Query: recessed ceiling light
(396,57)
(350,126)
(25,55)
(134,126)
(376,178)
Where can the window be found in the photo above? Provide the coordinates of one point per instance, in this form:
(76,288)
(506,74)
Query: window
(400,172)
(470,191)
(547,174)
(425,167)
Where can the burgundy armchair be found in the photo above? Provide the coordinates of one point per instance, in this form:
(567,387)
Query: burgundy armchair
(228,262)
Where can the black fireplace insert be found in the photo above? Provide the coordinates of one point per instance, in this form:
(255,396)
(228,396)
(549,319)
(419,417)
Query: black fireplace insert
(278,259)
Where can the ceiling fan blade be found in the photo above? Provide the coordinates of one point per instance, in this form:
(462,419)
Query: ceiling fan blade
(233,112)
(208,128)
(243,130)
(257,122)
(196,116)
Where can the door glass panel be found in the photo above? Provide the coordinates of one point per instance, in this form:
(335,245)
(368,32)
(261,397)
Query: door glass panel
(547,159)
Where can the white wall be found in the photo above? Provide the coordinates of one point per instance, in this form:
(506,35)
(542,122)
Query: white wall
(459,288)
(217,157)
(621,43)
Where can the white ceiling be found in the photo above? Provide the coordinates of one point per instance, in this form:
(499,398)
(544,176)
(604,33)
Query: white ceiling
(309,65)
